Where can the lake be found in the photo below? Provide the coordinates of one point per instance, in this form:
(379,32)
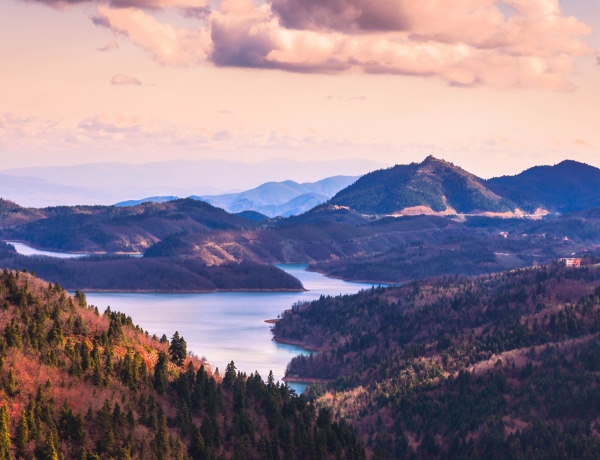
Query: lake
(26,250)
(224,326)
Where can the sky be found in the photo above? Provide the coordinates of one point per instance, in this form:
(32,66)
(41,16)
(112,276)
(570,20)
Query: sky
(494,86)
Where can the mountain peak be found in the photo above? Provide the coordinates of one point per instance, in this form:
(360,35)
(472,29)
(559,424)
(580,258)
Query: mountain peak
(434,186)
(431,159)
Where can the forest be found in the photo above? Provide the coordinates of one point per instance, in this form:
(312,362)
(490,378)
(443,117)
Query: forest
(504,365)
(76,383)
(150,274)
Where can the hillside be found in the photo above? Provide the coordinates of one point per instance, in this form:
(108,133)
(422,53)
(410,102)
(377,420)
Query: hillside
(433,186)
(395,225)
(120,229)
(13,215)
(500,366)
(565,187)
(153,274)
(77,384)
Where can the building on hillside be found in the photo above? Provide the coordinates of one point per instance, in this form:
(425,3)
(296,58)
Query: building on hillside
(571,261)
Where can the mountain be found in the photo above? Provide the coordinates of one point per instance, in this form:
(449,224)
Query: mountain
(120,229)
(494,367)
(152,274)
(107,183)
(12,215)
(285,199)
(81,384)
(376,229)
(433,186)
(151,199)
(565,187)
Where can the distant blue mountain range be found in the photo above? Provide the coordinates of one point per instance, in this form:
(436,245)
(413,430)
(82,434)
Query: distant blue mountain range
(287,198)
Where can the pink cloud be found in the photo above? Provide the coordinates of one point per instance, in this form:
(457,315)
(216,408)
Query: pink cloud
(121,79)
(500,43)
(584,143)
(169,45)
(346,15)
(101,125)
(110,46)
(144,4)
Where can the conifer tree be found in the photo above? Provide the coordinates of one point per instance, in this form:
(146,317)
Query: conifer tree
(161,379)
(22,434)
(4,434)
(178,349)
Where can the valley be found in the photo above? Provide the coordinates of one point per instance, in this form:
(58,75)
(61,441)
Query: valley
(368,231)
(485,345)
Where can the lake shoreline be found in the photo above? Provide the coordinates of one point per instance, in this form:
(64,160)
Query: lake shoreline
(296,343)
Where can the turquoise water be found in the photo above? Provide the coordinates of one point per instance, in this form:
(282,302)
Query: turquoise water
(223,326)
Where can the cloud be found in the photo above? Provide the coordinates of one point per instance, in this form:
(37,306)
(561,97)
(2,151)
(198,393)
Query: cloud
(102,125)
(28,132)
(499,43)
(169,45)
(120,79)
(143,4)
(346,15)
(110,46)
(221,136)
(583,143)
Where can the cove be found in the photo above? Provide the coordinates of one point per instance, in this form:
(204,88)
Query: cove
(227,326)
(221,326)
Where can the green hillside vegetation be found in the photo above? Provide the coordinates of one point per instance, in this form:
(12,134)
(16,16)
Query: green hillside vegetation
(499,366)
(433,183)
(77,384)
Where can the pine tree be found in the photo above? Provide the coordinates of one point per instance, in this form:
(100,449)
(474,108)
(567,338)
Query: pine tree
(178,349)
(230,374)
(22,434)
(160,443)
(161,378)
(4,434)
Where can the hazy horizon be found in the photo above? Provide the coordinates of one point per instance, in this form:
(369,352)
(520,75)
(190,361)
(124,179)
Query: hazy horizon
(83,184)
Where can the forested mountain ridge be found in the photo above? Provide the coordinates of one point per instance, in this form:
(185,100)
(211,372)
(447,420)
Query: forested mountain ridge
(366,233)
(433,186)
(152,274)
(117,229)
(77,384)
(565,187)
(499,366)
